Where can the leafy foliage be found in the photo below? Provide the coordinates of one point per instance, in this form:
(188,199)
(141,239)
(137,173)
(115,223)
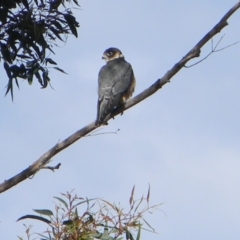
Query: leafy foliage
(100,219)
(29,29)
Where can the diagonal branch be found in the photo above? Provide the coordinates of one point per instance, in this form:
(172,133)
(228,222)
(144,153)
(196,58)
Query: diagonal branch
(46,157)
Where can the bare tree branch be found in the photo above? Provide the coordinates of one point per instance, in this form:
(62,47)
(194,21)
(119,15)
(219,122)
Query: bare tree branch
(46,157)
(214,50)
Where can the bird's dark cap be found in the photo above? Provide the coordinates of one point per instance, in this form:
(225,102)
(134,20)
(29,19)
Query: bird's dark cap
(112,53)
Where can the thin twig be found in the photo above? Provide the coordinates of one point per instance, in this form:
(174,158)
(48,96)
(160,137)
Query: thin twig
(52,168)
(93,134)
(230,45)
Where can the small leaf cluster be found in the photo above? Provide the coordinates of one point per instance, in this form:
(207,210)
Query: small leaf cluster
(29,30)
(99,219)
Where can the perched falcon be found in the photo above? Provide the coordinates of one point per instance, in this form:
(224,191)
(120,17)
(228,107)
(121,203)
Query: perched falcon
(116,83)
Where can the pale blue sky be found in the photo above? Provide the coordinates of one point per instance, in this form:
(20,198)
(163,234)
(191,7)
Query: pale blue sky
(184,140)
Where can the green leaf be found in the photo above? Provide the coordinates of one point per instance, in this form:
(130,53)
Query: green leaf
(43,212)
(25,3)
(6,54)
(103,236)
(68,222)
(7,69)
(139,233)
(59,69)
(72,23)
(138,204)
(46,79)
(76,2)
(110,204)
(148,195)
(9,88)
(38,76)
(23,56)
(76,212)
(45,238)
(56,32)
(132,195)
(129,235)
(36,48)
(148,225)
(31,63)
(96,235)
(62,201)
(85,201)
(15,70)
(57,25)
(49,60)
(16,81)
(30,78)
(34,217)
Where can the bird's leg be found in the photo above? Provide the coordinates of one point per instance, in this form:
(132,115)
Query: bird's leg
(120,106)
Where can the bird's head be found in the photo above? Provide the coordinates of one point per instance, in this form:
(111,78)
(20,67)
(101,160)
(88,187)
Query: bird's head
(112,53)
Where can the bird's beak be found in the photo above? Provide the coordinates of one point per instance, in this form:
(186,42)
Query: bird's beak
(104,58)
(121,55)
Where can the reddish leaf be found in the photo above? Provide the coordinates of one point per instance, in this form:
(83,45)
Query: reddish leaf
(132,194)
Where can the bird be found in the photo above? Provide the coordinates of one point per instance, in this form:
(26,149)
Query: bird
(116,84)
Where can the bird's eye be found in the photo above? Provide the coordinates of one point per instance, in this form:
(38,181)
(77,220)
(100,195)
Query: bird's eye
(109,54)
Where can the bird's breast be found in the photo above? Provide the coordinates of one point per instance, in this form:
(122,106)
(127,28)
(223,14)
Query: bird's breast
(130,90)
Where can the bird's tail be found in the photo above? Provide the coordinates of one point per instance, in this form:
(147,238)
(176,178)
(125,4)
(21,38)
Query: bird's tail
(102,113)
